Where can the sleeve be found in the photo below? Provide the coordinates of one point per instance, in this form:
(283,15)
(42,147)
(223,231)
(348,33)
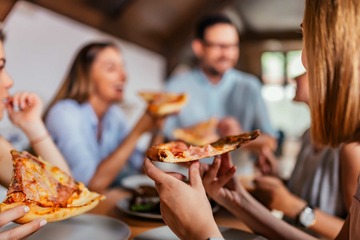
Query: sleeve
(261,116)
(64,124)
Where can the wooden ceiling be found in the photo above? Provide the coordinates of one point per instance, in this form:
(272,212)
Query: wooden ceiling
(166,26)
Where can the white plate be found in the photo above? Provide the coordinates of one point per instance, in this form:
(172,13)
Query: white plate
(165,233)
(86,226)
(135,181)
(124,203)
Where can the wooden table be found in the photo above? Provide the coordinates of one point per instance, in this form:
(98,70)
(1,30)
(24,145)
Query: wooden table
(138,225)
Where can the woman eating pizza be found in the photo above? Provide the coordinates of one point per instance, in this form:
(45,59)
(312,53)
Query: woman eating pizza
(331,55)
(87,124)
(24,110)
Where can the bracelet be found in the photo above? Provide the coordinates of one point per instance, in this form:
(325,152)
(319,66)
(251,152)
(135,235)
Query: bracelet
(39,139)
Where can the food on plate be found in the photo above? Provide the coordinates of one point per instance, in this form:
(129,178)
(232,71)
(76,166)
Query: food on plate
(48,192)
(199,134)
(145,199)
(177,151)
(164,103)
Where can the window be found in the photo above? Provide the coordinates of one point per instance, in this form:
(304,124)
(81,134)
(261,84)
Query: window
(281,67)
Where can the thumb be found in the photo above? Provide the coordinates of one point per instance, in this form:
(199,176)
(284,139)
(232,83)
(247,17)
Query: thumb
(194,175)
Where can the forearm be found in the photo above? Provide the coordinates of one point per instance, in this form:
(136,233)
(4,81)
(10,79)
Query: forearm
(327,225)
(110,167)
(261,221)
(44,146)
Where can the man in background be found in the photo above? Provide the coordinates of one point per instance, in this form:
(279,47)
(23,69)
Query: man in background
(218,90)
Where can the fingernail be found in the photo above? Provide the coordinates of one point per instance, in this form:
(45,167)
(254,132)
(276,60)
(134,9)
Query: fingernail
(26,209)
(43,222)
(16,108)
(5,100)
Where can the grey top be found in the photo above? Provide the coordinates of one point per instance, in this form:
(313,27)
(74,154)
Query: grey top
(316,178)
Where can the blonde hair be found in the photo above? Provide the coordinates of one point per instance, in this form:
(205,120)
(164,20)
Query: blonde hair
(77,83)
(332,43)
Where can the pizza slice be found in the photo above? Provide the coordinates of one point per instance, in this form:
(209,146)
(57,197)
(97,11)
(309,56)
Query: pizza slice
(177,151)
(164,103)
(199,134)
(49,192)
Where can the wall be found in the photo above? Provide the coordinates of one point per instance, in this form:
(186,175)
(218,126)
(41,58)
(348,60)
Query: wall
(40,45)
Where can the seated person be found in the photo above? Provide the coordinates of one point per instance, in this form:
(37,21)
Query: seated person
(217,89)
(88,126)
(24,110)
(334,93)
(323,179)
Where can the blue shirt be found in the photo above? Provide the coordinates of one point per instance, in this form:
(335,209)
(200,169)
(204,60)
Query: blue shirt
(238,94)
(73,127)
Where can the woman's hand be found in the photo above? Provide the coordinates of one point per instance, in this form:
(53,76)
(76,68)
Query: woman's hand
(267,162)
(184,208)
(219,182)
(22,231)
(272,193)
(24,109)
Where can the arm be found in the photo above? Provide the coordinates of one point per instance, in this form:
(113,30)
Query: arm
(274,195)
(28,119)
(181,203)
(109,168)
(22,231)
(238,201)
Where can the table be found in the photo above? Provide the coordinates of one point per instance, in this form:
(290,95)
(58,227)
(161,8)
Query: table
(139,225)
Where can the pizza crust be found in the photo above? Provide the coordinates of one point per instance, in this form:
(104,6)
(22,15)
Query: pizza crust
(177,152)
(48,181)
(164,103)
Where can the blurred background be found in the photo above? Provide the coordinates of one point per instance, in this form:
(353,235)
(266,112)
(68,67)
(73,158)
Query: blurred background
(155,36)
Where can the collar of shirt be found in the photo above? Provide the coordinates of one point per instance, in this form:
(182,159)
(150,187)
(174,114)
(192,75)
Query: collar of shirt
(203,79)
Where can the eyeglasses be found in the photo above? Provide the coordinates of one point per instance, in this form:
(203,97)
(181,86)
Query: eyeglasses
(220,45)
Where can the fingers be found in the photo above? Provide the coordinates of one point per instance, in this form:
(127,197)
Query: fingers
(12,214)
(177,175)
(153,172)
(23,100)
(194,175)
(23,230)
(213,171)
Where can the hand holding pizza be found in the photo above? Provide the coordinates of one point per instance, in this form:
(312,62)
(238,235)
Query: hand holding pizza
(220,184)
(19,232)
(181,203)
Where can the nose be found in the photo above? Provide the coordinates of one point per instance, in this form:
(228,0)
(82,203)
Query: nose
(6,80)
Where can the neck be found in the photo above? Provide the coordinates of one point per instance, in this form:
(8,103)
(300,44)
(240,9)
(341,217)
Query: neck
(100,107)
(213,76)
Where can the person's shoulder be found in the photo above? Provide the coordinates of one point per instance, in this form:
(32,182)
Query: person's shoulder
(65,107)
(181,79)
(245,80)
(244,77)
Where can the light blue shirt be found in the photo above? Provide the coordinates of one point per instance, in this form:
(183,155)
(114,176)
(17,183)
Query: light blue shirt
(73,127)
(238,94)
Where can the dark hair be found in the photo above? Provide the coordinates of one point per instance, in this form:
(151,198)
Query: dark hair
(209,21)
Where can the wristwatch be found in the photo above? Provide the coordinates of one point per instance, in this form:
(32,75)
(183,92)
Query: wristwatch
(306,218)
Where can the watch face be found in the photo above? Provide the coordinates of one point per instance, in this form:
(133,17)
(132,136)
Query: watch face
(307,217)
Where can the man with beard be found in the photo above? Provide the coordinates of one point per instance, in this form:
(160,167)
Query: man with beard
(218,90)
